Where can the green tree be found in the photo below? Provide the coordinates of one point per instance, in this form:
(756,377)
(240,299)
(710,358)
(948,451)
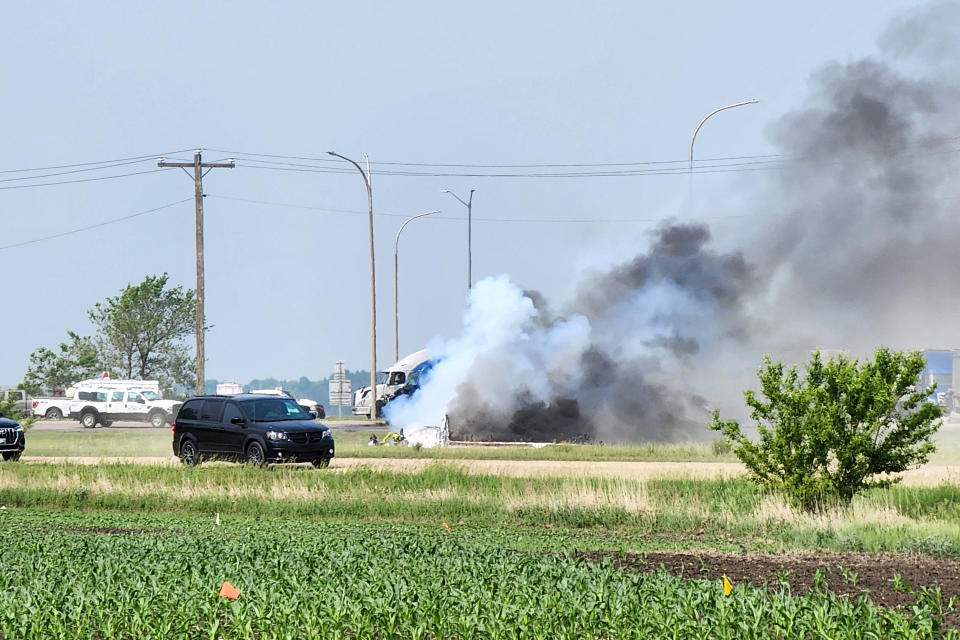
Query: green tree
(143,332)
(8,409)
(841,428)
(49,371)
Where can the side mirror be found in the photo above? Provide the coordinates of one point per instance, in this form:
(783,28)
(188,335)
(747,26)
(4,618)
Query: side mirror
(313,414)
(1,414)
(236,420)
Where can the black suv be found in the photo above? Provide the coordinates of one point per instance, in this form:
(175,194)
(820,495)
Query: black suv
(254,428)
(12,438)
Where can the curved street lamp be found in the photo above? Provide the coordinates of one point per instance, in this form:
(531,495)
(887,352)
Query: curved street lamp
(707,117)
(373,286)
(468,204)
(396,250)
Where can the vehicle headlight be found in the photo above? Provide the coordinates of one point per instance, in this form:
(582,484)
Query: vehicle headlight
(276,435)
(325,433)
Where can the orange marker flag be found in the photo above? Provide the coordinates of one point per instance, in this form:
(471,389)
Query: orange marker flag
(727,585)
(229,591)
(446,526)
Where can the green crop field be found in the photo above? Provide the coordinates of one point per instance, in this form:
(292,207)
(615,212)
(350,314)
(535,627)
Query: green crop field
(505,545)
(76,574)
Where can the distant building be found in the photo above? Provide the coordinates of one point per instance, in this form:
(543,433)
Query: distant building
(942,369)
(228,388)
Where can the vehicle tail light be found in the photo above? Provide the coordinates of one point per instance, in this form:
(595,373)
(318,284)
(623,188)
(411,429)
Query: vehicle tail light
(173,426)
(35,403)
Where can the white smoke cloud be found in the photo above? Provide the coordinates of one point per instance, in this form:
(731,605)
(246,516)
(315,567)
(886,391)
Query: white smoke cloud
(501,353)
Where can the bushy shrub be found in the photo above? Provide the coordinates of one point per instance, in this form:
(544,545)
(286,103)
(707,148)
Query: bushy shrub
(826,435)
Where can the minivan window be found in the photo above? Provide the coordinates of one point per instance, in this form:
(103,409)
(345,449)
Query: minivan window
(230,412)
(274,409)
(212,410)
(189,410)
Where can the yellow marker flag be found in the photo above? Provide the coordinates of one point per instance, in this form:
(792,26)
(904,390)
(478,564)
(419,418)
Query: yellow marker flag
(727,585)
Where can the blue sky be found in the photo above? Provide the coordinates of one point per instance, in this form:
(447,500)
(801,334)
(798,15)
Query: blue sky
(418,82)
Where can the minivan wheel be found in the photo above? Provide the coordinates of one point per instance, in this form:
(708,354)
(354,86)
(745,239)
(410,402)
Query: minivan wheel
(53,413)
(321,463)
(157,420)
(255,455)
(88,420)
(188,453)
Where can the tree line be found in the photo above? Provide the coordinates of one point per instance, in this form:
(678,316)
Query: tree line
(141,334)
(301,387)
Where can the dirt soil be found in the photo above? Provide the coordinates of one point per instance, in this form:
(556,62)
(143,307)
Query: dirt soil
(873,572)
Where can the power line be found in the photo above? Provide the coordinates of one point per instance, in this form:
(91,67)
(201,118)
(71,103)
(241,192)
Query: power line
(50,184)
(71,171)
(152,156)
(577,174)
(499,166)
(252,156)
(290,205)
(94,226)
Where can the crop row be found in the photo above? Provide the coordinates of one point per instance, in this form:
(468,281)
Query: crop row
(88,576)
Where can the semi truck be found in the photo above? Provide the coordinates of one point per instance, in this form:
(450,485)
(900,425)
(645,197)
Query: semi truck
(389,382)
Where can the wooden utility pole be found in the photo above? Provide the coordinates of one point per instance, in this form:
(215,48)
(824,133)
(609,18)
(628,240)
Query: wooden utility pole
(198,173)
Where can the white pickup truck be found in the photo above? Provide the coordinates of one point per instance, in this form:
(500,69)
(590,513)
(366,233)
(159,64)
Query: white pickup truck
(51,408)
(106,401)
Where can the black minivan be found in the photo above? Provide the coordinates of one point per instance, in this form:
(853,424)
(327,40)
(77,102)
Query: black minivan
(252,428)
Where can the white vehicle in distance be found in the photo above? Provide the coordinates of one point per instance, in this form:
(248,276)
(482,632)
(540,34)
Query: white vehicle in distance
(307,403)
(106,401)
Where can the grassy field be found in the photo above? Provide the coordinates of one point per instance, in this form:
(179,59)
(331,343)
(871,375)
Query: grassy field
(730,513)
(352,443)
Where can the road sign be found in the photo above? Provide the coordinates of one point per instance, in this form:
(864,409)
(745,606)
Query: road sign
(341,391)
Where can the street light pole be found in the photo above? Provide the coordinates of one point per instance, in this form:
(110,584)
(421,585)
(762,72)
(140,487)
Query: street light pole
(707,117)
(469,205)
(373,286)
(396,279)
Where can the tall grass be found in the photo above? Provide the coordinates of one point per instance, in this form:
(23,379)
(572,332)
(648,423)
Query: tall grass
(702,511)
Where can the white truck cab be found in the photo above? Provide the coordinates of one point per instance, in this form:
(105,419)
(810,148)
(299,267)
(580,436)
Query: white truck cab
(389,381)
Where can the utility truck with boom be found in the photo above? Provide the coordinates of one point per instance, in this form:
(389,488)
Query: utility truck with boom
(106,401)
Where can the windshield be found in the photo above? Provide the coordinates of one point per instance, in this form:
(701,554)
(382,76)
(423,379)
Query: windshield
(382,377)
(151,395)
(274,410)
